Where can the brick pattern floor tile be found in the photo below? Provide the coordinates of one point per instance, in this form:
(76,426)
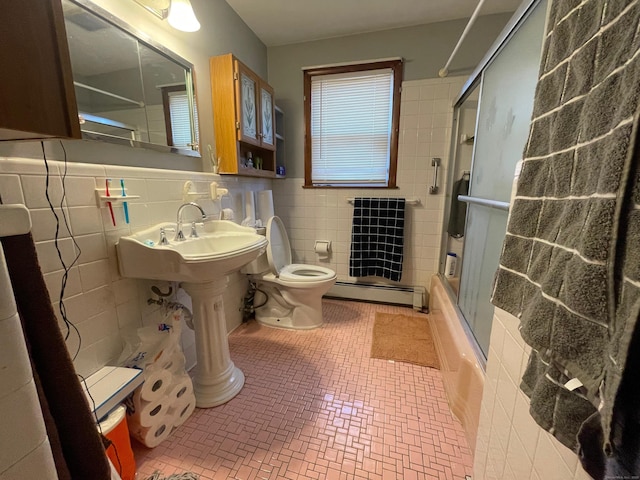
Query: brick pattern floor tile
(315,406)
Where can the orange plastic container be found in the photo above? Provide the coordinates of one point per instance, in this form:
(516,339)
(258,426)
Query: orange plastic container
(115,428)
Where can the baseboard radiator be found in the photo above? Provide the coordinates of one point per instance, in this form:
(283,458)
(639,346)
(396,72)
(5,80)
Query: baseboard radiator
(415,296)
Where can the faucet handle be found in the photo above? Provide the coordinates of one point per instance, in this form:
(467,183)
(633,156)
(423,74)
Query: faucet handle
(194,231)
(163,236)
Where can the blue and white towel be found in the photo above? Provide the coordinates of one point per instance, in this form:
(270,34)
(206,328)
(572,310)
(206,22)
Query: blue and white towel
(377,238)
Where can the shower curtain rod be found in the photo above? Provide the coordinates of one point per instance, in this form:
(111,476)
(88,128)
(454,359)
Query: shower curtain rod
(444,71)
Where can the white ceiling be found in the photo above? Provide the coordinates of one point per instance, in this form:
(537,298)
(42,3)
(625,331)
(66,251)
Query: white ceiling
(280,22)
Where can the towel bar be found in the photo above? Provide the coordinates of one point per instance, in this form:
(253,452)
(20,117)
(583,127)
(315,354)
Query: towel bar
(485,202)
(410,201)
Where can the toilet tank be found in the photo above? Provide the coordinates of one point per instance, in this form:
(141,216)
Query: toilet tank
(260,264)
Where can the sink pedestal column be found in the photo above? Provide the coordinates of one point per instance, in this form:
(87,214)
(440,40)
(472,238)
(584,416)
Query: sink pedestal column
(217,379)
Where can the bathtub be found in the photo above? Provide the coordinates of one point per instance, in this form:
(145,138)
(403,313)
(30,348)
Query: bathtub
(462,373)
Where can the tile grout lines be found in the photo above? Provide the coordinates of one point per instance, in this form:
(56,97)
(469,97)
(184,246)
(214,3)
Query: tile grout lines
(315,406)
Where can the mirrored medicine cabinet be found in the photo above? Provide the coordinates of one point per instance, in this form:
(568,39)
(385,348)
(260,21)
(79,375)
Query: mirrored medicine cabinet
(129,89)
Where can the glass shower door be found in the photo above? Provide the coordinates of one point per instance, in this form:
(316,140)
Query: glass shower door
(506,102)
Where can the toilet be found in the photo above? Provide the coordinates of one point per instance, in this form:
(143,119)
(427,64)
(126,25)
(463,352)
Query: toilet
(293,291)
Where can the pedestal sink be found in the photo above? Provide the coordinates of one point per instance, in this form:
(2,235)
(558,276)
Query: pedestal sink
(202,265)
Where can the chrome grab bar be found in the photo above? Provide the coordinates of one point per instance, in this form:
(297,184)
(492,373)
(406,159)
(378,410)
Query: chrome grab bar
(435,162)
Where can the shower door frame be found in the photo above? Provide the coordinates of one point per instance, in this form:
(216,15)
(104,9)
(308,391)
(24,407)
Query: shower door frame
(469,87)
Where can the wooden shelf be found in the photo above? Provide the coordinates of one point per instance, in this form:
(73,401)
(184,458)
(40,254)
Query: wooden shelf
(254,172)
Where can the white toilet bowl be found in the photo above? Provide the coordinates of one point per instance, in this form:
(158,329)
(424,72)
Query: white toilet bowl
(293,291)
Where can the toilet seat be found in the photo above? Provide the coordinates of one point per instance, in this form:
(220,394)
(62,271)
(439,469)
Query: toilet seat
(279,257)
(279,248)
(305,273)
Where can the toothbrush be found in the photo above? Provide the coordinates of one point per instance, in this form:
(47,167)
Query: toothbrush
(124,203)
(113,217)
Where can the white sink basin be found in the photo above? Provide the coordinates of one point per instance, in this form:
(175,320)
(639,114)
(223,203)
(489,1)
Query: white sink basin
(222,248)
(202,265)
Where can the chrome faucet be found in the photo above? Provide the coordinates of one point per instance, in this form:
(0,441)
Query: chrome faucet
(179,235)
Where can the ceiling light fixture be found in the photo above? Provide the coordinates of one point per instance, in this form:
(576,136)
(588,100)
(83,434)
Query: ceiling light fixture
(179,13)
(182,17)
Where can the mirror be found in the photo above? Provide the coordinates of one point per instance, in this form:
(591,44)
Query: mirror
(128,91)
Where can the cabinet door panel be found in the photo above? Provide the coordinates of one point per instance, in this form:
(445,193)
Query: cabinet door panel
(267,117)
(248,107)
(36,86)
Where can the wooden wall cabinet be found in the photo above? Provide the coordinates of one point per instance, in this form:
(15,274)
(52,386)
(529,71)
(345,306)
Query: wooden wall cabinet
(243,118)
(37,99)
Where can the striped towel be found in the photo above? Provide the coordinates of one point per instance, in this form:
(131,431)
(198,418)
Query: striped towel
(570,267)
(377,238)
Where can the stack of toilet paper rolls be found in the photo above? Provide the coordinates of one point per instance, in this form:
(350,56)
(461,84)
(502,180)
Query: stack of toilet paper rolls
(163,402)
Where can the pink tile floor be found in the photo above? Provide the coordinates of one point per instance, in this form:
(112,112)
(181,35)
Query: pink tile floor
(315,406)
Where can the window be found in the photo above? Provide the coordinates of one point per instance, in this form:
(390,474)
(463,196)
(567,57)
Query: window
(351,124)
(177,117)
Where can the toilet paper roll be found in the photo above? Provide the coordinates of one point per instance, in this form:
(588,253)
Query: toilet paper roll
(156,383)
(175,364)
(322,248)
(147,414)
(182,387)
(249,207)
(183,409)
(161,357)
(152,436)
(265,205)
(227,214)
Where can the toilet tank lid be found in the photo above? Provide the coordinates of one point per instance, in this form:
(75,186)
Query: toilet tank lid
(279,248)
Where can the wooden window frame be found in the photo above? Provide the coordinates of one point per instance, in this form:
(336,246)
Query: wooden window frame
(167,112)
(396,67)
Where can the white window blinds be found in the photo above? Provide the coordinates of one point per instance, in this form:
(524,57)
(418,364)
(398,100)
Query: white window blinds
(180,122)
(351,120)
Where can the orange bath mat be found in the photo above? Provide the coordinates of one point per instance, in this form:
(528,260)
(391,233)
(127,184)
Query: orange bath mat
(404,339)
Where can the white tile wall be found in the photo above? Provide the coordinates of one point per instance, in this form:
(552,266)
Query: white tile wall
(509,443)
(101,303)
(426,114)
